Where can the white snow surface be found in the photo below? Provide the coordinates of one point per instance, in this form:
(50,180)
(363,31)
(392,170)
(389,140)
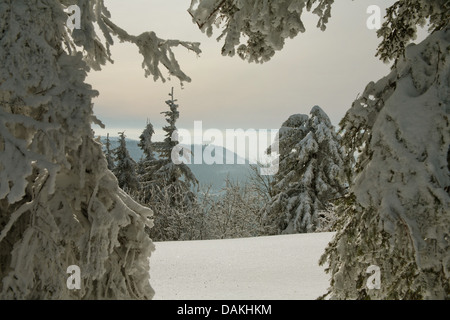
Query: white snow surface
(281,267)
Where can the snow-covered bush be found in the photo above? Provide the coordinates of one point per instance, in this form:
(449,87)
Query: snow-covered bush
(183,221)
(236,213)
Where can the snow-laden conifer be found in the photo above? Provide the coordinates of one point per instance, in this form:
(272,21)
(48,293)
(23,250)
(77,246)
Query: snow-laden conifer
(265,25)
(145,166)
(171,176)
(309,176)
(109,153)
(397,214)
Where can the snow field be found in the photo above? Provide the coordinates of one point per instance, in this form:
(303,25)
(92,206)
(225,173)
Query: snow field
(274,268)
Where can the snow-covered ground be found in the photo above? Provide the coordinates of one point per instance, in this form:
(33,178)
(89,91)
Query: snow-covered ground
(273,268)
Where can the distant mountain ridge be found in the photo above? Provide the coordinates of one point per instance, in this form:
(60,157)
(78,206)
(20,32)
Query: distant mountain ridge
(206,174)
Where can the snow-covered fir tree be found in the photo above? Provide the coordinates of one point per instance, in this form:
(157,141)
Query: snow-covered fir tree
(125,168)
(309,176)
(145,142)
(397,216)
(59,203)
(236,213)
(146,163)
(108,153)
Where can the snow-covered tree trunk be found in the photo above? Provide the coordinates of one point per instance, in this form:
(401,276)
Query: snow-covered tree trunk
(398,216)
(59,204)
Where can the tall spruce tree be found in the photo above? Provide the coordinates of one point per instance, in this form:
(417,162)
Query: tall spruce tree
(169,186)
(108,153)
(173,179)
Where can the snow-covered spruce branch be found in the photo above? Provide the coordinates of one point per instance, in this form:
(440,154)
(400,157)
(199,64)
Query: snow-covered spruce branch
(155,51)
(402,20)
(265,24)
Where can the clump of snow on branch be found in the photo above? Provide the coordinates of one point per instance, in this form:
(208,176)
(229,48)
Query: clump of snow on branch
(154,50)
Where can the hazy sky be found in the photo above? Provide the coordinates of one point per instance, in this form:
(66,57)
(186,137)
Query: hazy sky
(328,69)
